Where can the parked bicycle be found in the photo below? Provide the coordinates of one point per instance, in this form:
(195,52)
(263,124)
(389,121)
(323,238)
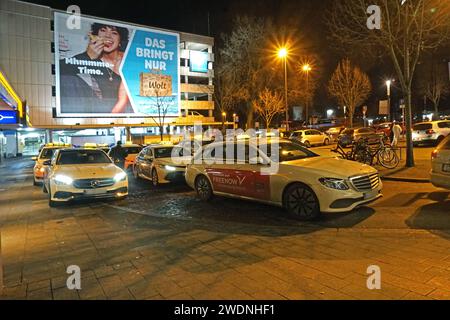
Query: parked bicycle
(382,153)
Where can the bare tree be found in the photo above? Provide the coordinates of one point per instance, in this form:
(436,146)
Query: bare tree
(162,104)
(244,60)
(268,105)
(408,27)
(350,86)
(434,84)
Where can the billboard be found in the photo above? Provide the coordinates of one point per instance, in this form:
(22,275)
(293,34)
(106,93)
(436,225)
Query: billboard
(109,69)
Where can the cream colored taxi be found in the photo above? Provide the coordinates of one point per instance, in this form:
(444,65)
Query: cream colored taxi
(83,173)
(45,154)
(161,164)
(440,165)
(282,173)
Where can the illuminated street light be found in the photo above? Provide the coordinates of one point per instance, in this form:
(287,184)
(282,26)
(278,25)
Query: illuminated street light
(306,68)
(282,54)
(388,87)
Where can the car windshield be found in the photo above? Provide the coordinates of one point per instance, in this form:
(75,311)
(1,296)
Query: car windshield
(83,157)
(288,151)
(132,150)
(163,152)
(47,153)
(422,127)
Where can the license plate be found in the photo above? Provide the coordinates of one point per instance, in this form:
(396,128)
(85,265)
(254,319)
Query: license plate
(446,168)
(370,195)
(94,191)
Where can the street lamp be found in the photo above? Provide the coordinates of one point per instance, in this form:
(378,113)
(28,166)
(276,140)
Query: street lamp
(224,117)
(388,87)
(282,54)
(306,68)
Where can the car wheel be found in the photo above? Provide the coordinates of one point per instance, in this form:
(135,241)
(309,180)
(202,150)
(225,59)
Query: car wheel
(301,202)
(307,144)
(203,188)
(155,179)
(326,142)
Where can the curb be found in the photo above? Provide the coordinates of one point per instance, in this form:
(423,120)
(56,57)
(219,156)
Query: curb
(403,179)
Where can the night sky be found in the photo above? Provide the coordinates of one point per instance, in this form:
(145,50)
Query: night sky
(192,16)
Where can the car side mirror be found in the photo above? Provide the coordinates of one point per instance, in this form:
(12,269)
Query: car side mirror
(148,158)
(34,158)
(48,163)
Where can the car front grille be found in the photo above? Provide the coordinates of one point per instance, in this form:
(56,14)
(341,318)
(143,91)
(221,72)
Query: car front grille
(93,183)
(366,183)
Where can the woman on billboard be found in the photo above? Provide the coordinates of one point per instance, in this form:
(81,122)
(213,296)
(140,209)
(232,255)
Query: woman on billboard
(91,82)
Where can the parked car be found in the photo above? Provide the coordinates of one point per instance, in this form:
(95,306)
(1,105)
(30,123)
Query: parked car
(83,173)
(385,128)
(334,133)
(350,135)
(132,150)
(305,184)
(45,153)
(161,164)
(310,137)
(430,132)
(440,165)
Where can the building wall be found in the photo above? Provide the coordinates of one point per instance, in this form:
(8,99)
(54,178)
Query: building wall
(26,58)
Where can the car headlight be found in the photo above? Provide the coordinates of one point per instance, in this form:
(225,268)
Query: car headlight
(120,177)
(332,183)
(170,168)
(63,180)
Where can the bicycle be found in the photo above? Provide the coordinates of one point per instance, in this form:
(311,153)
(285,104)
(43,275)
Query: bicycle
(382,152)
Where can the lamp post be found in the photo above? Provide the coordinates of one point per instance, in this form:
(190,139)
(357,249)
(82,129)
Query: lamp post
(282,54)
(388,87)
(306,69)
(234,121)
(224,116)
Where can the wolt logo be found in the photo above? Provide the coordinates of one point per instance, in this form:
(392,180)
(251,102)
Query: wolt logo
(74,21)
(374,280)
(74,281)
(374,21)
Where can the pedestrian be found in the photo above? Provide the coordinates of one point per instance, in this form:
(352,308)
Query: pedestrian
(397,131)
(118,154)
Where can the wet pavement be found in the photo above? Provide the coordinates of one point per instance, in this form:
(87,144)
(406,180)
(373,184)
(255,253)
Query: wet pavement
(163,243)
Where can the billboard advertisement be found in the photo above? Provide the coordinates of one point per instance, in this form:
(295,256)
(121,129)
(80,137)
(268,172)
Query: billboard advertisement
(109,69)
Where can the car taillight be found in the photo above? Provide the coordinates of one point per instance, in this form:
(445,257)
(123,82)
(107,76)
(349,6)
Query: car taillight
(434,155)
(430,131)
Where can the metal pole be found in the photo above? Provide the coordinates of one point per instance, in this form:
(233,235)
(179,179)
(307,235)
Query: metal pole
(389,101)
(307,97)
(286,94)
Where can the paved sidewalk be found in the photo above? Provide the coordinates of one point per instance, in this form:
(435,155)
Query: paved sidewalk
(419,173)
(125,255)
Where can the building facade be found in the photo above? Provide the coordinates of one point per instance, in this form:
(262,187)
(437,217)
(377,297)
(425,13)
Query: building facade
(28,58)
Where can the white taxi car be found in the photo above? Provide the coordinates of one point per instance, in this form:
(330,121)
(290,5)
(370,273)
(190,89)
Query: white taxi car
(440,165)
(304,183)
(45,154)
(161,164)
(83,173)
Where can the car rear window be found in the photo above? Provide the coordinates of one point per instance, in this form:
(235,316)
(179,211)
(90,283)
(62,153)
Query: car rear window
(423,127)
(132,150)
(47,154)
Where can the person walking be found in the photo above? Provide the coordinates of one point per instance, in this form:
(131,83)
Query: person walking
(397,131)
(118,154)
